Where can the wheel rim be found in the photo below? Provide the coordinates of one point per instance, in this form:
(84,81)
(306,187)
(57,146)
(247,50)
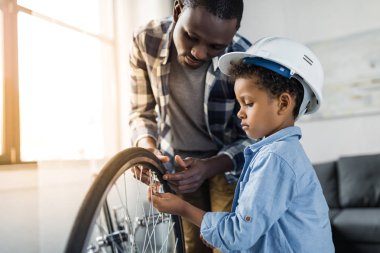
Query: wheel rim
(123,220)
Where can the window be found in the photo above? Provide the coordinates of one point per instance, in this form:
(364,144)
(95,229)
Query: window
(2,83)
(59,80)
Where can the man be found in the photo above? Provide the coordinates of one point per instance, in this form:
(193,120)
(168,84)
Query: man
(184,107)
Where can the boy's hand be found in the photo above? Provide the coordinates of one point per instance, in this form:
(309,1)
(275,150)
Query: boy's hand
(166,202)
(170,203)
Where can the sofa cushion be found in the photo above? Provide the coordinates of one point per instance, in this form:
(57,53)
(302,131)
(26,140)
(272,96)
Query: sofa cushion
(333,212)
(327,176)
(361,225)
(350,247)
(359,181)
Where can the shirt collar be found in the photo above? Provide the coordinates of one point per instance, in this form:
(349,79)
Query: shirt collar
(166,42)
(215,63)
(285,133)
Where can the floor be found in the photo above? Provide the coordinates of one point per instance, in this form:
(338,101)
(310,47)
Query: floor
(38,204)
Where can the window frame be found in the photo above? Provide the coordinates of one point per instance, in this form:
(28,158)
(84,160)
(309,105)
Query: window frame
(11,122)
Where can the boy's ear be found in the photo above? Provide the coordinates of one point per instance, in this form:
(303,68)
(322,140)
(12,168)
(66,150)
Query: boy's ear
(177,9)
(285,102)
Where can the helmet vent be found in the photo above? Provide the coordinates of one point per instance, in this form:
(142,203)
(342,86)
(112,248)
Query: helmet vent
(307,59)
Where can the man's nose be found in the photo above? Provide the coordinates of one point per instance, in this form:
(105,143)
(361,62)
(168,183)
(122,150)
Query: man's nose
(199,52)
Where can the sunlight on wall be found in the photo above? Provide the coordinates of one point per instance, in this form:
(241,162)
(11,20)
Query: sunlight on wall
(83,14)
(74,93)
(63,76)
(61,91)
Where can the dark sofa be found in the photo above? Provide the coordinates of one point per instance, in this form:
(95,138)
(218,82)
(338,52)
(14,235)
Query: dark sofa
(351,186)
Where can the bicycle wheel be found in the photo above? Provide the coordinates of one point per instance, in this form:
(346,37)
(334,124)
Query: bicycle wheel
(116,215)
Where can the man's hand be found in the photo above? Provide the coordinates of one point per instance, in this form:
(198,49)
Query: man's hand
(194,173)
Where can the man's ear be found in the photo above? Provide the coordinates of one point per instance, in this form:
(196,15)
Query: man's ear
(285,102)
(177,9)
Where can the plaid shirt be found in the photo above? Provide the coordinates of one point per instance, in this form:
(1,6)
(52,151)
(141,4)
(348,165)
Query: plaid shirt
(150,68)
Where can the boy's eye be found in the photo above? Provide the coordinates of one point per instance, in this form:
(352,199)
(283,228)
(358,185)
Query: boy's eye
(248,104)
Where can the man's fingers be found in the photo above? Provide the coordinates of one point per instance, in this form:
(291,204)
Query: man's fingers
(142,174)
(186,189)
(185,181)
(144,179)
(139,170)
(182,175)
(163,158)
(156,152)
(173,182)
(174,177)
(183,188)
(173,187)
(180,162)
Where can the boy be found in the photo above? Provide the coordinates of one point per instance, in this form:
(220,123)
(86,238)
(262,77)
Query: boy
(278,205)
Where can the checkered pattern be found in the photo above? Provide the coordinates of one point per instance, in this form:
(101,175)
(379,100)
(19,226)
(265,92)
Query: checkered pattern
(150,95)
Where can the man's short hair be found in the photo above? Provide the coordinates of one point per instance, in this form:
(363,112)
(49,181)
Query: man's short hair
(223,9)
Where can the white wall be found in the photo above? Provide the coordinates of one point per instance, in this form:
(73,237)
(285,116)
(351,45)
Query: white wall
(131,15)
(311,21)
(19,208)
(308,20)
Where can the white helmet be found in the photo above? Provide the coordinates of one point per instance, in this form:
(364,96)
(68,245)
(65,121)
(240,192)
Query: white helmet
(287,58)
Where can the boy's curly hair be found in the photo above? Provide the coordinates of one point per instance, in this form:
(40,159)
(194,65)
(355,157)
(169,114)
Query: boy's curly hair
(270,81)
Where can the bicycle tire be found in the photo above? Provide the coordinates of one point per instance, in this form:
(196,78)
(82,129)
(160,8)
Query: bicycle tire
(96,198)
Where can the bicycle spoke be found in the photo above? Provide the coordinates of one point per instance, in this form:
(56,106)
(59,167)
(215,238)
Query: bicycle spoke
(167,238)
(116,215)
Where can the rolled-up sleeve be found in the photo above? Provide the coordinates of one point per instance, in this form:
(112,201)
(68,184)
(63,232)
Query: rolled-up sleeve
(142,118)
(225,231)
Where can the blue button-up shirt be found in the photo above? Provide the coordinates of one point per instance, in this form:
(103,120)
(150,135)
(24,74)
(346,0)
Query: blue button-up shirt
(278,205)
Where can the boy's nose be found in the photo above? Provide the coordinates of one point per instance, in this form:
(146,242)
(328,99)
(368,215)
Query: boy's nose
(241,114)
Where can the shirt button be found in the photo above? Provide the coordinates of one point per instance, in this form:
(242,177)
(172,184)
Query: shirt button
(248,218)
